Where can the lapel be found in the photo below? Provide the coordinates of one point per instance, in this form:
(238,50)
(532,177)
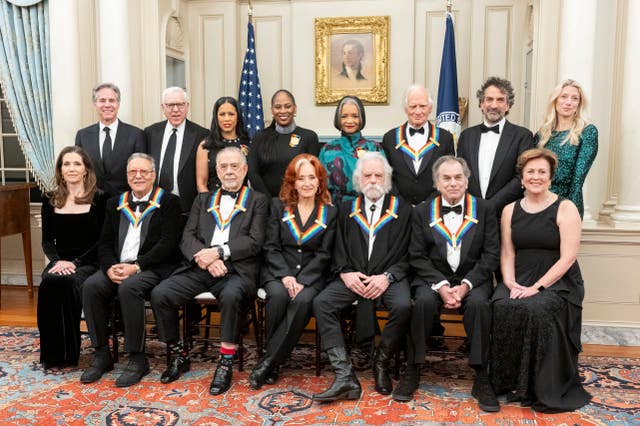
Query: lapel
(145,227)
(363,232)
(157,133)
(122,232)
(506,137)
(188,139)
(382,237)
(235,226)
(401,132)
(474,151)
(121,136)
(93,146)
(437,238)
(427,157)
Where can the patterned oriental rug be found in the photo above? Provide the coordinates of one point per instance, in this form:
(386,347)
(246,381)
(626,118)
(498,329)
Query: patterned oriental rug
(31,396)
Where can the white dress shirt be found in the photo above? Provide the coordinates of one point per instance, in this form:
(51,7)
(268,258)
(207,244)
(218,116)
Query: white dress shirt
(102,135)
(416,142)
(486,155)
(131,244)
(372,219)
(221,236)
(168,129)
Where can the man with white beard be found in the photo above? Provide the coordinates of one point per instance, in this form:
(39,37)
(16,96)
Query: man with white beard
(370,265)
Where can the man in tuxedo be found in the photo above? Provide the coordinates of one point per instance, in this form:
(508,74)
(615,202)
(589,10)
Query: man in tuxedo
(414,146)
(491,149)
(454,250)
(110,141)
(173,144)
(371,261)
(138,247)
(221,242)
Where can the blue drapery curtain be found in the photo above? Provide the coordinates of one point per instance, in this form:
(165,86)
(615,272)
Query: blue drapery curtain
(25,76)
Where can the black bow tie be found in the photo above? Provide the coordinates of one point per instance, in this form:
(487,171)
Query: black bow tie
(485,129)
(448,209)
(231,194)
(413,131)
(142,205)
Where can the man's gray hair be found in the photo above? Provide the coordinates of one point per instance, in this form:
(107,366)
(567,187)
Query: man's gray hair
(234,149)
(174,89)
(446,158)
(414,88)
(144,157)
(98,87)
(372,156)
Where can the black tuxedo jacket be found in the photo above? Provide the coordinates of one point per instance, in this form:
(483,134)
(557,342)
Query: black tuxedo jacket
(389,252)
(414,187)
(129,139)
(246,235)
(193,135)
(480,251)
(504,184)
(308,262)
(159,236)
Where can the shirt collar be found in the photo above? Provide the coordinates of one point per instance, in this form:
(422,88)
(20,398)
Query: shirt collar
(144,198)
(446,203)
(180,127)
(500,124)
(113,127)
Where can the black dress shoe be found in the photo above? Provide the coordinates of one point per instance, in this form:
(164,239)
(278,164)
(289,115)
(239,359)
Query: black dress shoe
(177,366)
(483,392)
(380,367)
(409,382)
(273,376)
(222,378)
(101,364)
(259,373)
(133,373)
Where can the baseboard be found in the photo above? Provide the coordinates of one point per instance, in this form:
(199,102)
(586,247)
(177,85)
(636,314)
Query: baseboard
(617,335)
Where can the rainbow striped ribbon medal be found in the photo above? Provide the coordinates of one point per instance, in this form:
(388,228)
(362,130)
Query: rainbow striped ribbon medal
(318,226)
(470,219)
(154,203)
(390,214)
(403,145)
(240,206)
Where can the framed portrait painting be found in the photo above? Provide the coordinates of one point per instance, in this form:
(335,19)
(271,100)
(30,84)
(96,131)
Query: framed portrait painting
(352,58)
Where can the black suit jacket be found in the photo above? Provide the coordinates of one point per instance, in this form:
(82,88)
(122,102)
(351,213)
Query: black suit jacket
(129,139)
(414,187)
(480,251)
(246,235)
(504,184)
(193,135)
(283,256)
(159,236)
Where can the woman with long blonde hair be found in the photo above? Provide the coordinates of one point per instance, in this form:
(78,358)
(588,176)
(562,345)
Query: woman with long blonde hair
(567,132)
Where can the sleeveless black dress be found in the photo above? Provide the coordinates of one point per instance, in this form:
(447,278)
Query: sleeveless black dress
(536,340)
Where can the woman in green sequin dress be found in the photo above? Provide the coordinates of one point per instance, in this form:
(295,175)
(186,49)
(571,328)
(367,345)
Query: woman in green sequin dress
(566,131)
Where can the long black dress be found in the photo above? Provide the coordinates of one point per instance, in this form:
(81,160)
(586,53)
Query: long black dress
(536,340)
(70,237)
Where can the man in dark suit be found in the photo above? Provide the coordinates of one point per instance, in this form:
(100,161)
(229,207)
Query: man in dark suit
(454,251)
(221,242)
(138,247)
(491,149)
(371,261)
(175,156)
(110,141)
(413,147)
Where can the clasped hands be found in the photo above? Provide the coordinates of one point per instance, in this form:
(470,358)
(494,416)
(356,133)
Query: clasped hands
(366,286)
(518,291)
(121,271)
(207,258)
(63,267)
(292,285)
(452,296)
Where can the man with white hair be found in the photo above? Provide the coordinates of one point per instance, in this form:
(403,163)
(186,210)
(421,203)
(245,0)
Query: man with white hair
(173,144)
(414,146)
(371,265)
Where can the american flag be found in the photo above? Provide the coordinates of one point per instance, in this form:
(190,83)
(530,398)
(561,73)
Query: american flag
(249,94)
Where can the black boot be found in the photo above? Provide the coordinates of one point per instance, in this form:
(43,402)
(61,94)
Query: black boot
(260,372)
(102,362)
(135,370)
(408,384)
(483,392)
(380,367)
(222,378)
(345,385)
(273,376)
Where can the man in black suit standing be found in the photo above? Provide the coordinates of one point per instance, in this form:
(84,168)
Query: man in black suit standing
(221,242)
(454,250)
(173,144)
(370,260)
(138,247)
(110,141)
(414,146)
(491,149)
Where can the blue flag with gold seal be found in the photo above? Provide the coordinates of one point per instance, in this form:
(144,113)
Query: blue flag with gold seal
(448,112)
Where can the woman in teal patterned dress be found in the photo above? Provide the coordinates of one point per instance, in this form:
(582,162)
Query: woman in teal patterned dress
(566,131)
(339,156)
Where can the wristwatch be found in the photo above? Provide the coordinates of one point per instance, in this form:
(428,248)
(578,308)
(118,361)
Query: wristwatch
(220,252)
(390,277)
(138,268)
(540,288)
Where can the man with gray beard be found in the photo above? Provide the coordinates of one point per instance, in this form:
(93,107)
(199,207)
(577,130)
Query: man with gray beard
(370,265)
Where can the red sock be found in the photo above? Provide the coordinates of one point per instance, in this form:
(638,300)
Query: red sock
(227,351)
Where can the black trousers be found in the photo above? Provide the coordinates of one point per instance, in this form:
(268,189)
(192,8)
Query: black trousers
(336,296)
(98,295)
(476,310)
(285,318)
(232,293)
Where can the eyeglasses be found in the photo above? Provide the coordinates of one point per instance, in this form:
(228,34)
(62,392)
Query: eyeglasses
(179,105)
(144,173)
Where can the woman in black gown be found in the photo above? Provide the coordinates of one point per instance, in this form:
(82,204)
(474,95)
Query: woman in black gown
(297,252)
(227,129)
(274,147)
(537,311)
(72,216)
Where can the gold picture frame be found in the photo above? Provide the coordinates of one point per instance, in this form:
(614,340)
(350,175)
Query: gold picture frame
(352,58)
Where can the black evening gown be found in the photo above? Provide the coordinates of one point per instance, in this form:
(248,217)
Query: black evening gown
(536,340)
(70,237)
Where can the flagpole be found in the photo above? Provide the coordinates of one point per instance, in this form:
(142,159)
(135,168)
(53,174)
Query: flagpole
(449,6)
(250,12)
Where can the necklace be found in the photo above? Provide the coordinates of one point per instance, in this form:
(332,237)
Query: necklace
(528,208)
(232,140)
